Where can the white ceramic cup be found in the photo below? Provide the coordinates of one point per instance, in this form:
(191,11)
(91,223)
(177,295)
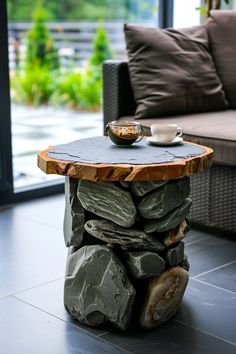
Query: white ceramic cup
(165,133)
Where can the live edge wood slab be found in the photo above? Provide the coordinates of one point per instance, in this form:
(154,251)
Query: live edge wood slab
(126,172)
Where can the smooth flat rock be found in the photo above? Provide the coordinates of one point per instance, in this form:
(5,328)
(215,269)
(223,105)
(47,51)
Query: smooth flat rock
(163,297)
(97,288)
(175,235)
(107,200)
(73,224)
(126,238)
(144,264)
(71,250)
(160,202)
(175,255)
(139,189)
(171,220)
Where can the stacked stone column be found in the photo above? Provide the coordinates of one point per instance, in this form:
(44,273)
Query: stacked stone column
(126,260)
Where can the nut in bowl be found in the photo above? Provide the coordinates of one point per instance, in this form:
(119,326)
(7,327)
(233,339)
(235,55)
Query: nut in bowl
(124,132)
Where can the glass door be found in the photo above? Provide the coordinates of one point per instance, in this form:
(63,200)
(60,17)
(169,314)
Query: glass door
(51,81)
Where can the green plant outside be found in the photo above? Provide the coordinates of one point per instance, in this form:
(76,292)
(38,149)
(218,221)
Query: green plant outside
(90,10)
(40,49)
(33,87)
(75,90)
(79,90)
(101,47)
(91,90)
(42,81)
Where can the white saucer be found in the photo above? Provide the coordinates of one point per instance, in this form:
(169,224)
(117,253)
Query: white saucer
(176,141)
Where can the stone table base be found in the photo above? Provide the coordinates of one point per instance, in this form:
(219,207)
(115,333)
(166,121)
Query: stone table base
(126,255)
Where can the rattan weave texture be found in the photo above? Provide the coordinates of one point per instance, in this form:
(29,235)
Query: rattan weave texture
(214,198)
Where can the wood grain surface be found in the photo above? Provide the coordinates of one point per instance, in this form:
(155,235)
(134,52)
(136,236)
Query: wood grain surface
(126,172)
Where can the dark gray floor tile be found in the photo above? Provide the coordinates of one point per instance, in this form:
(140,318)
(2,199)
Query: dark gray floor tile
(224,277)
(49,298)
(209,309)
(170,338)
(48,211)
(27,330)
(210,253)
(194,236)
(30,254)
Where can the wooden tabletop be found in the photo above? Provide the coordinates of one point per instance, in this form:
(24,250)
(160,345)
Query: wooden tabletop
(126,172)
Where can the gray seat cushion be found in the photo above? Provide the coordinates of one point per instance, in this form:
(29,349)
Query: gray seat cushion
(214,129)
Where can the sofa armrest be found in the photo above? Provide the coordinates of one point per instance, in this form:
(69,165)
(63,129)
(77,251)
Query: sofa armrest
(118,99)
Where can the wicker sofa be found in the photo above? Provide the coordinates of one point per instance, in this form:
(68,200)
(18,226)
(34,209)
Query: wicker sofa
(214,191)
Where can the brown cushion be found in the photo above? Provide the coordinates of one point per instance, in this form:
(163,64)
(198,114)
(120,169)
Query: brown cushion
(172,71)
(222,32)
(214,129)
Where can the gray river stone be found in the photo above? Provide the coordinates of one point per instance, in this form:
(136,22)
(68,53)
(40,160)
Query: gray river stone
(139,189)
(73,224)
(175,255)
(107,200)
(171,220)
(125,184)
(97,288)
(144,264)
(71,250)
(160,202)
(175,235)
(126,238)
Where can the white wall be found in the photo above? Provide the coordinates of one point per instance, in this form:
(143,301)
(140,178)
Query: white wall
(185,13)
